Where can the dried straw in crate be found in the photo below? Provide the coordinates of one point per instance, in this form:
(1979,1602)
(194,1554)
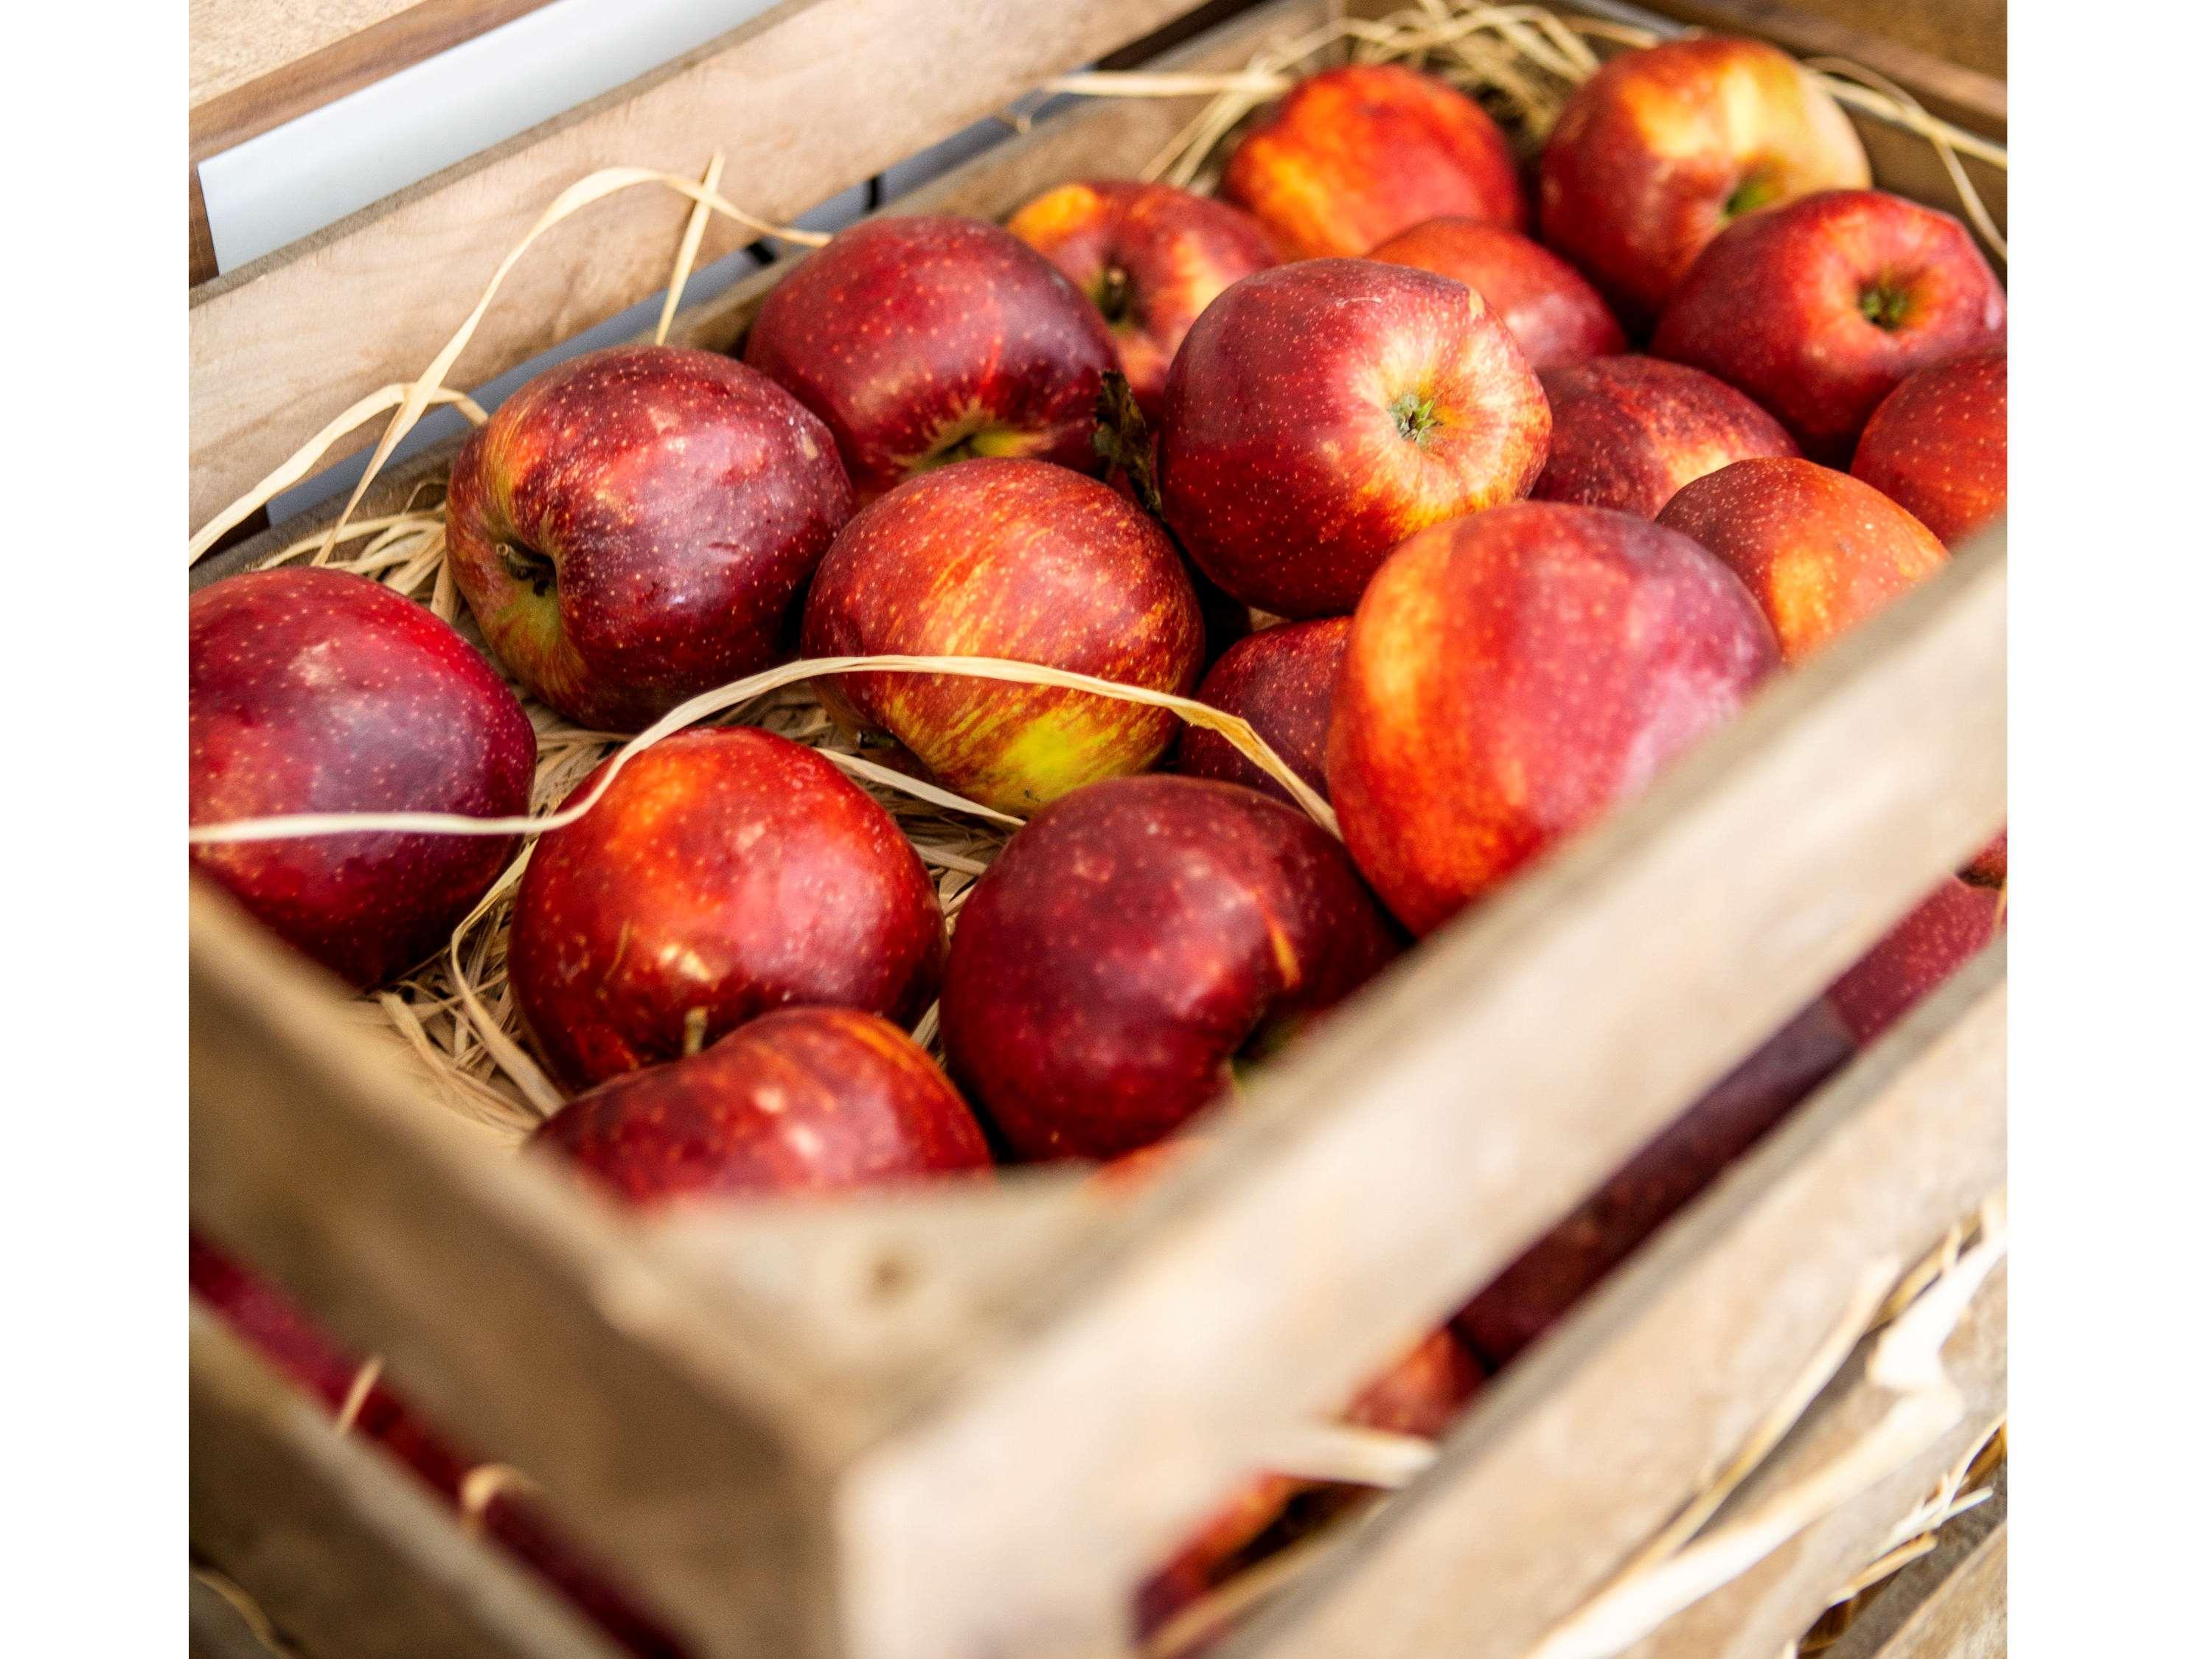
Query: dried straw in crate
(455,1015)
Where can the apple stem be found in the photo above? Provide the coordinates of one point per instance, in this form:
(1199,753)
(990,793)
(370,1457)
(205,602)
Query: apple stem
(1116,292)
(1416,417)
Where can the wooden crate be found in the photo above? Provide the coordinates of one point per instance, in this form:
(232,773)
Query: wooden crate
(954,1427)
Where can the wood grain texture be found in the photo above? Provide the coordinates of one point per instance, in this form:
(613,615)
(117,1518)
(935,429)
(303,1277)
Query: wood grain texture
(804,101)
(1752,1617)
(255,66)
(1102,138)
(1949,1604)
(1420,1141)
(343,1549)
(523,1316)
(1599,1434)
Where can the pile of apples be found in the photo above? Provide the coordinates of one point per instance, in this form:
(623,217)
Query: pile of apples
(1398,489)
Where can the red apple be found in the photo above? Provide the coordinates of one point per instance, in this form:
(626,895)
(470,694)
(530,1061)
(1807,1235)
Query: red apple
(1512,676)
(1819,309)
(1419,1395)
(1321,412)
(1551,312)
(803,1100)
(1356,155)
(927,339)
(1150,257)
(1664,147)
(1820,552)
(1989,867)
(1132,942)
(1281,680)
(1627,432)
(316,692)
(1936,444)
(267,1320)
(1945,931)
(635,526)
(1680,1162)
(1015,559)
(725,873)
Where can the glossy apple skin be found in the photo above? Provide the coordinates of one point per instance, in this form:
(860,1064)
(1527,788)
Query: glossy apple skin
(678,503)
(1420,1394)
(1820,552)
(1936,444)
(1013,559)
(1548,306)
(1129,943)
(316,692)
(1678,1163)
(926,339)
(1941,935)
(1282,680)
(1628,433)
(1778,307)
(1512,677)
(802,1100)
(1354,155)
(1150,257)
(726,870)
(1665,147)
(266,1320)
(1321,412)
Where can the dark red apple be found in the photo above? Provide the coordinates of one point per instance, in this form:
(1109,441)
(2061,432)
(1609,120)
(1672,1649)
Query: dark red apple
(1678,1163)
(1019,560)
(1666,145)
(803,1100)
(1936,444)
(1820,552)
(1356,155)
(1819,309)
(923,339)
(1281,680)
(1321,412)
(1132,942)
(267,1320)
(1628,433)
(316,692)
(1941,935)
(725,873)
(1514,675)
(1150,257)
(1549,308)
(635,526)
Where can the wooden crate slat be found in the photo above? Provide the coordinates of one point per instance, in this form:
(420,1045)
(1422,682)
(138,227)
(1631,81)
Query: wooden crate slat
(1595,1437)
(1755,1615)
(1103,137)
(344,1551)
(1950,1604)
(804,101)
(518,1312)
(1484,1091)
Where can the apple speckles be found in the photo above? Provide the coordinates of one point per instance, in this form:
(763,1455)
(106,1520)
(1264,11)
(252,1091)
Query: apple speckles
(727,869)
(679,500)
(1129,943)
(315,690)
(1015,559)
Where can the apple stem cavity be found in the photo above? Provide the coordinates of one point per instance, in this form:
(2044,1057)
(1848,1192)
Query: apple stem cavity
(1416,417)
(1117,296)
(527,565)
(1884,305)
(1756,189)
